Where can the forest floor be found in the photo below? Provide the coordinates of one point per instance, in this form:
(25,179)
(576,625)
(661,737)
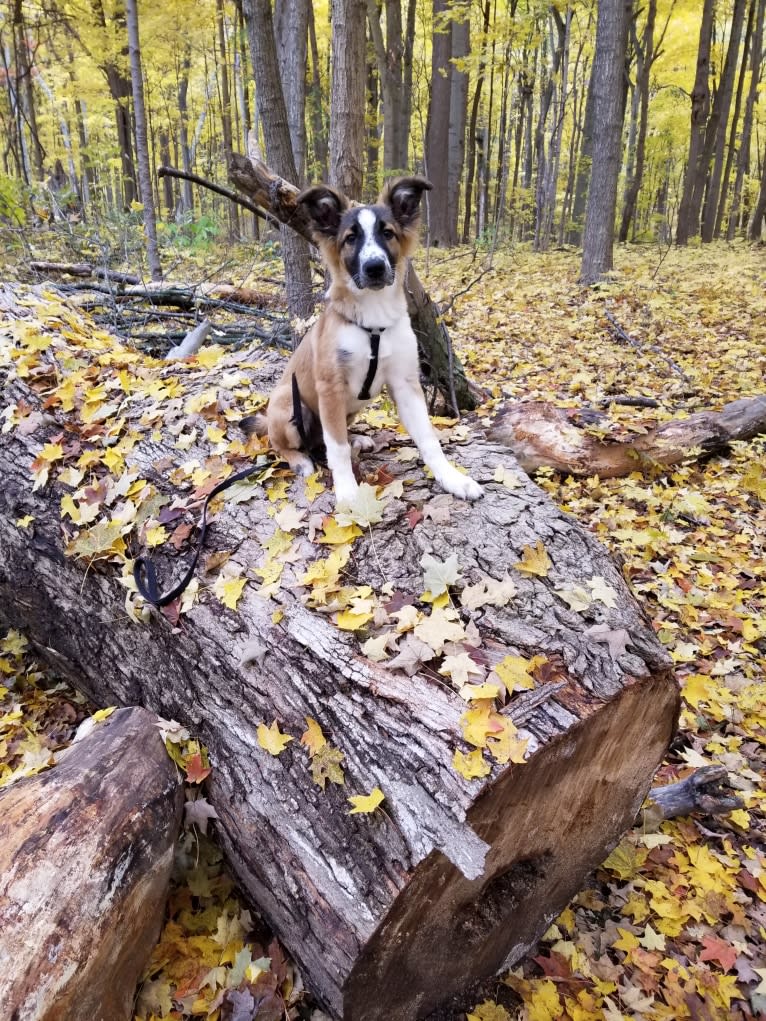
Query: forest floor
(673,925)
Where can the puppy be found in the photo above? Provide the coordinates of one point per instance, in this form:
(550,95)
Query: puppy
(362,341)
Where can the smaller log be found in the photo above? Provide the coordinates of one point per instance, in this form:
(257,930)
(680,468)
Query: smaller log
(85,269)
(542,435)
(705,791)
(86,851)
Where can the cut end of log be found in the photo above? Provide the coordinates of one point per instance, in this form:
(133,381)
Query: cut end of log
(447,931)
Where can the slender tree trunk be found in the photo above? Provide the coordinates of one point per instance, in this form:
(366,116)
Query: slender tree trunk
(471,164)
(273,115)
(715,136)
(759,212)
(187,199)
(608,113)
(547,183)
(373,129)
(688,216)
(291,35)
(409,46)
(437,129)
(120,89)
(316,104)
(142,144)
(461,47)
(730,149)
(743,160)
(24,89)
(584,164)
(644,62)
(347,98)
(168,198)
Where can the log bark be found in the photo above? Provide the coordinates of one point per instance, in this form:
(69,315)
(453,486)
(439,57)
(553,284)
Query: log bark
(278,196)
(84,269)
(541,435)
(388,915)
(705,791)
(86,851)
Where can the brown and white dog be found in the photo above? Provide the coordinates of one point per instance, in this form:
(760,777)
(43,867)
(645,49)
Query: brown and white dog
(365,249)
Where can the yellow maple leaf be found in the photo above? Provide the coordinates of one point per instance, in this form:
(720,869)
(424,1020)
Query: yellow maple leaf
(514,672)
(470,765)
(24,522)
(336,535)
(103,714)
(534,560)
(51,452)
(271,739)
(229,590)
(313,487)
(544,1003)
(313,738)
(363,804)
(351,620)
(627,941)
(156,535)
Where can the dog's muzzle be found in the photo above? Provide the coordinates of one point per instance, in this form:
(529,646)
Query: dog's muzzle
(375,274)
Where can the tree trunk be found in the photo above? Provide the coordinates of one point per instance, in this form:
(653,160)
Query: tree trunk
(387,914)
(437,131)
(291,34)
(458,111)
(759,212)
(316,104)
(278,197)
(142,143)
(25,95)
(276,132)
(608,111)
(120,89)
(644,62)
(86,852)
(743,157)
(348,98)
(719,121)
(688,216)
(584,164)
(187,200)
(734,128)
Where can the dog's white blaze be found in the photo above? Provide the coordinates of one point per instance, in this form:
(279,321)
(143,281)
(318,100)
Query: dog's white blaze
(370,249)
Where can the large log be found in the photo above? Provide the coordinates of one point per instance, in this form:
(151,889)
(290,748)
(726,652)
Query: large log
(86,851)
(266,188)
(388,914)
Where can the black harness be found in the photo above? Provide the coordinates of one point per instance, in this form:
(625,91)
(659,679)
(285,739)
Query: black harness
(308,444)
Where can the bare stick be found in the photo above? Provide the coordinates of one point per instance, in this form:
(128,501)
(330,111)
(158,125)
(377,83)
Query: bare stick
(219,190)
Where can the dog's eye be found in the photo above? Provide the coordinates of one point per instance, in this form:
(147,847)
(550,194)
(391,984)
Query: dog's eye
(388,233)
(350,239)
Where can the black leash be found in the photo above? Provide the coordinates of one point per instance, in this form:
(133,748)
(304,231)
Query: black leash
(144,573)
(374,332)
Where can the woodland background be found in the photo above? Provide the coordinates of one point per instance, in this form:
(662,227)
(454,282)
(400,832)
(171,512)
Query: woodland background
(497,103)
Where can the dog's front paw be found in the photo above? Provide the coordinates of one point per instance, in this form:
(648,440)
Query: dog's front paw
(345,493)
(462,486)
(361,443)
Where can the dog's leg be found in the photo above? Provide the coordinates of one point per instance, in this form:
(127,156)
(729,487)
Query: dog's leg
(411,405)
(332,414)
(283,434)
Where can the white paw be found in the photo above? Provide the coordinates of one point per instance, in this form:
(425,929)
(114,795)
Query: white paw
(345,492)
(302,465)
(462,486)
(360,443)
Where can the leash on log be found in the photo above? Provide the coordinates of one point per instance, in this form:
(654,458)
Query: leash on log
(144,572)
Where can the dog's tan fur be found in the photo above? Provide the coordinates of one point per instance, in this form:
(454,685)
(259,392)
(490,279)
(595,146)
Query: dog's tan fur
(320,365)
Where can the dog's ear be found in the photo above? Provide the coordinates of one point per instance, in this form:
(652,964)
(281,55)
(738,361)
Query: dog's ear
(325,207)
(403,196)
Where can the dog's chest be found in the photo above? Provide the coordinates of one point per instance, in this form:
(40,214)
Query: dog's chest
(354,349)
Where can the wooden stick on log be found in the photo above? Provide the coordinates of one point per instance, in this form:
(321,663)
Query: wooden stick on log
(86,851)
(542,435)
(278,196)
(388,914)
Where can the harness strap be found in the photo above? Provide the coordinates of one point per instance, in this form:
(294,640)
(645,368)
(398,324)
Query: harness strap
(374,332)
(144,572)
(297,419)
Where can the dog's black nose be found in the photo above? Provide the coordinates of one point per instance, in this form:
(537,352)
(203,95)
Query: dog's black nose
(375,269)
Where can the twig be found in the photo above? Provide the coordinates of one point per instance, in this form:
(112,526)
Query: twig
(618,330)
(219,190)
(448,307)
(630,402)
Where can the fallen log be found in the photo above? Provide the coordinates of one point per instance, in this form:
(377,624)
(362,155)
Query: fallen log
(84,269)
(278,196)
(706,791)
(470,855)
(86,851)
(542,435)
